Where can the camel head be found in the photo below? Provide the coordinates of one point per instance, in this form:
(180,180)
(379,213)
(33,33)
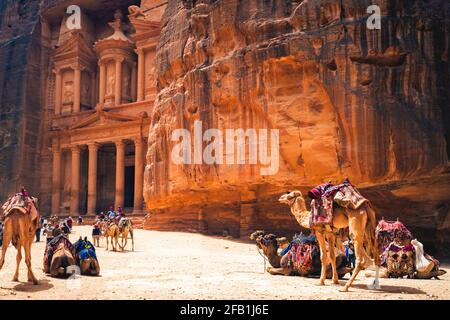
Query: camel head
(268,243)
(290,197)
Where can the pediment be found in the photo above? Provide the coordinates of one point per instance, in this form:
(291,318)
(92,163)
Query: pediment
(102,119)
(75,45)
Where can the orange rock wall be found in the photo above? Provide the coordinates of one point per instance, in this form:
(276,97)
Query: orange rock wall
(286,65)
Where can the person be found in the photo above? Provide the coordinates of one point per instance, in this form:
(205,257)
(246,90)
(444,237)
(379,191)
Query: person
(350,253)
(111,213)
(120,211)
(69,222)
(80,220)
(39,228)
(96,232)
(101,216)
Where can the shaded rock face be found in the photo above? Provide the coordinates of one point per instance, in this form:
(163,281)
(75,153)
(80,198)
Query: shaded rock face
(19,94)
(371,105)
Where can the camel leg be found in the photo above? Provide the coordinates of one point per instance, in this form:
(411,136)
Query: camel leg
(27,249)
(331,241)
(106,242)
(357,228)
(7,236)
(18,259)
(279,271)
(323,257)
(132,241)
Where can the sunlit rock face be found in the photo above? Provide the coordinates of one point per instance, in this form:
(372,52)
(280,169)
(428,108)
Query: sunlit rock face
(371,105)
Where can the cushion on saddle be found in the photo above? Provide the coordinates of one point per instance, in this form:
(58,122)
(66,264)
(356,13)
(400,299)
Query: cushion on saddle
(399,260)
(390,231)
(51,248)
(18,202)
(325,195)
(302,253)
(84,250)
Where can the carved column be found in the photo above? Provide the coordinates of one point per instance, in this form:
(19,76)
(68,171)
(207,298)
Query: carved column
(118,89)
(141,75)
(133,82)
(92,178)
(77,88)
(56,180)
(75,181)
(138,174)
(58,91)
(120,173)
(102,85)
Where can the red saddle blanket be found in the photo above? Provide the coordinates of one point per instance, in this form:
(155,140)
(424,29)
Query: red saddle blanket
(326,195)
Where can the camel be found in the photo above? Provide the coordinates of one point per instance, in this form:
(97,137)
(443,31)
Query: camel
(111,230)
(270,244)
(20,229)
(126,228)
(361,223)
(62,259)
(87,259)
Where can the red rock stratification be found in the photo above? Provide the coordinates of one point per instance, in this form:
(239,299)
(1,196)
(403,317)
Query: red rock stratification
(371,105)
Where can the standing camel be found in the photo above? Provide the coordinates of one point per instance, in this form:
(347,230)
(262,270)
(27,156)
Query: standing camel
(361,223)
(20,229)
(125,229)
(111,230)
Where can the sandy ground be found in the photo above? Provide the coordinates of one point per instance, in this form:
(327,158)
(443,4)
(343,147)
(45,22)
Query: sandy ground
(172,265)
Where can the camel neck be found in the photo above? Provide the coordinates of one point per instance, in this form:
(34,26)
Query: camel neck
(274,259)
(300,213)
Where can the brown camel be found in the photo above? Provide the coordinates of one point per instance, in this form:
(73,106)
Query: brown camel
(62,259)
(111,230)
(20,229)
(126,228)
(270,244)
(361,223)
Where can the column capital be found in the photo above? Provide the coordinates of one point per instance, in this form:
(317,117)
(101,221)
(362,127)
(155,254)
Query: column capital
(77,66)
(57,70)
(140,51)
(138,141)
(119,59)
(101,63)
(75,148)
(119,143)
(93,145)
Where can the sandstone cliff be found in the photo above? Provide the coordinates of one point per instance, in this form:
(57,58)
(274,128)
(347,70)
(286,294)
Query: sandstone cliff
(371,105)
(20,107)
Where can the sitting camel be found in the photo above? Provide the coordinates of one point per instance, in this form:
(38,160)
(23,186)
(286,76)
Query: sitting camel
(111,230)
(86,257)
(125,229)
(20,229)
(59,255)
(361,223)
(61,260)
(270,244)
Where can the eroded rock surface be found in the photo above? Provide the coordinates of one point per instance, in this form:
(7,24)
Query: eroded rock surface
(348,101)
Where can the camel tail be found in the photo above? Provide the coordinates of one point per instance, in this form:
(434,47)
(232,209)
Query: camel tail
(371,240)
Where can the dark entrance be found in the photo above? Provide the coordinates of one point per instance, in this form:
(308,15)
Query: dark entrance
(129,187)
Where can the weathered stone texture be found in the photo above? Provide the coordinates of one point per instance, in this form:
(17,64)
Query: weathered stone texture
(288,65)
(19,94)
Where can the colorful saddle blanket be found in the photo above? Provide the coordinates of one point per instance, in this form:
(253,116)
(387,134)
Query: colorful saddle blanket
(392,231)
(303,255)
(84,250)
(326,195)
(52,246)
(399,260)
(20,202)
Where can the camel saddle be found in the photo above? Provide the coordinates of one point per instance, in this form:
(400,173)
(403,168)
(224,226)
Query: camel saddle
(51,248)
(19,202)
(326,196)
